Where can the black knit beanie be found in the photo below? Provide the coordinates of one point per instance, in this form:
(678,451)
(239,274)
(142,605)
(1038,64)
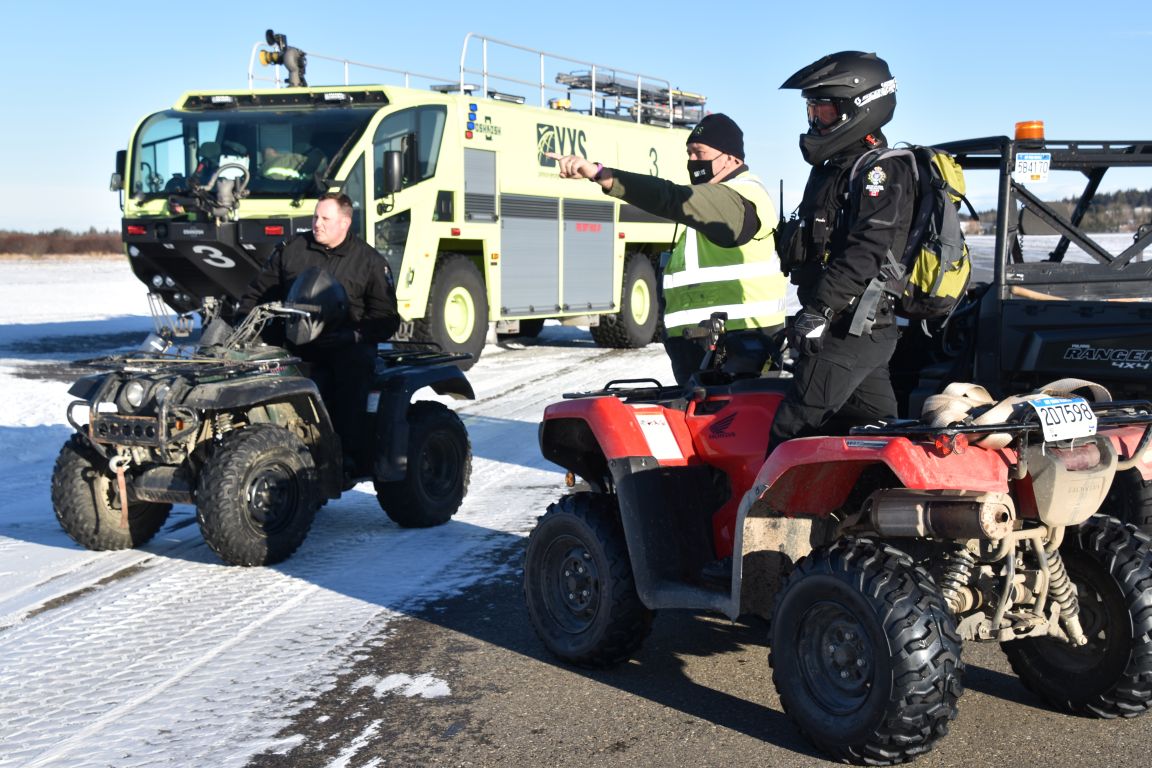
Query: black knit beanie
(719,132)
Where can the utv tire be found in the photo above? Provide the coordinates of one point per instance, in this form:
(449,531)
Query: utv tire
(257,496)
(865,656)
(1111,676)
(578,584)
(456,318)
(1130,500)
(439,469)
(635,324)
(87,504)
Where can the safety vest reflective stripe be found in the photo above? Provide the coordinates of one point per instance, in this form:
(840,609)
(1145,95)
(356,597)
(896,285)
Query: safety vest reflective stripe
(746,282)
(718,274)
(736,312)
(282,172)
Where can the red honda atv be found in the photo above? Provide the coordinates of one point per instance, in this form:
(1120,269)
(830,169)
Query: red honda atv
(874,554)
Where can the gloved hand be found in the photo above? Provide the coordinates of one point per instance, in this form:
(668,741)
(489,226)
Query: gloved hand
(345,337)
(807,332)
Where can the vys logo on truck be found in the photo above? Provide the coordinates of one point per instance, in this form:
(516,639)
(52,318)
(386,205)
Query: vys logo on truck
(562,141)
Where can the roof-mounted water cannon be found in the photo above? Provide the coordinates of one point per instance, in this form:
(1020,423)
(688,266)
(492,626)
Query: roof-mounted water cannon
(293,59)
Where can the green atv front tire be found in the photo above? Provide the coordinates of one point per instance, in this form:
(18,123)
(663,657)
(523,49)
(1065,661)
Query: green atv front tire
(87,504)
(257,496)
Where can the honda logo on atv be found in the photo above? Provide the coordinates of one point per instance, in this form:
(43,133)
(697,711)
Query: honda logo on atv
(720,428)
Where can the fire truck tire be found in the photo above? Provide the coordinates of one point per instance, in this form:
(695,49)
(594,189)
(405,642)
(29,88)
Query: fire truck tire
(1111,568)
(1130,500)
(87,504)
(457,315)
(635,324)
(865,656)
(578,584)
(439,469)
(257,496)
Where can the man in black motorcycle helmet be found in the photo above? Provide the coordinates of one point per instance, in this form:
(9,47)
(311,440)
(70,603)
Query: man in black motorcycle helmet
(850,217)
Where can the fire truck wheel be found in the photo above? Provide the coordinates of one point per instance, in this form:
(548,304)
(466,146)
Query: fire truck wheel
(457,315)
(257,496)
(1111,568)
(578,584)
(439,469)
(1130,500)
(87,503)
(865,656)
(635,324)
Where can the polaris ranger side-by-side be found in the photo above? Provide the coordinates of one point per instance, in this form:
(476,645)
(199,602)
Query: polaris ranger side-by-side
(1057,303)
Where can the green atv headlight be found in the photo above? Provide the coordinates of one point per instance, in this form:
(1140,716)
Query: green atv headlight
(134,392)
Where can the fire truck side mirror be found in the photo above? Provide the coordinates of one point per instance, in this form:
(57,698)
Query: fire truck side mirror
(392,172)
(116,183)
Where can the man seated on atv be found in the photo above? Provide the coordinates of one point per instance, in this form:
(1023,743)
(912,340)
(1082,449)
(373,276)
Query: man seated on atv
(342,359)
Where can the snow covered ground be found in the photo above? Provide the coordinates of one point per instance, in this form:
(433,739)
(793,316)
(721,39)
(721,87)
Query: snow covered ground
(163,656)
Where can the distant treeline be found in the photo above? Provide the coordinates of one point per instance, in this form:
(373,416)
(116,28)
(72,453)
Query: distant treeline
(60,242)
(1122,211)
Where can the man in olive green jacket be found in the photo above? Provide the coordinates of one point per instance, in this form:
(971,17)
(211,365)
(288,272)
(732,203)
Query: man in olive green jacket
(727,263)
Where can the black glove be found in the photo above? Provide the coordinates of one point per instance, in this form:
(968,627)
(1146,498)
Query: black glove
(808,329)
(345,337)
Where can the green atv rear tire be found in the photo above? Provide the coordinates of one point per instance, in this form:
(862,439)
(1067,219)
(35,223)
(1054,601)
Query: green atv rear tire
(438,473)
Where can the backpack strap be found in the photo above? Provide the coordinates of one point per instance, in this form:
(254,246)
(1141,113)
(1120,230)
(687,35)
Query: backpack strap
(893,269)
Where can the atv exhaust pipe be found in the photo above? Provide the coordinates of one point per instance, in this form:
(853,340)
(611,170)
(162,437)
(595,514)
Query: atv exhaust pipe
(954,515)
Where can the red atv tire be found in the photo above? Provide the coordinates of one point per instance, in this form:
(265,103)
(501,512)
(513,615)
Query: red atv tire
(578,583)
(1109,677)
(865,656)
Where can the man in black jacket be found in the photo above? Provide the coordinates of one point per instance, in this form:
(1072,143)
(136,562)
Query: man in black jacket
(342,358)
(854,213)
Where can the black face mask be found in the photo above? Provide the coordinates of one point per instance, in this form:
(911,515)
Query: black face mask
(700,171)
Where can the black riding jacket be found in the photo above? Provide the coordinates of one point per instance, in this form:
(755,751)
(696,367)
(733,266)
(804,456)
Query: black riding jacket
(850,226)
(360,269)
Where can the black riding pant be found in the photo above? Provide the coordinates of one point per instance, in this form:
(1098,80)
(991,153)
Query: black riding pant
(344,377)
(843,385)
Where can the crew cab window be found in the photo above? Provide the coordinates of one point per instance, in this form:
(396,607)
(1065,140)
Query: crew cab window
(415,133)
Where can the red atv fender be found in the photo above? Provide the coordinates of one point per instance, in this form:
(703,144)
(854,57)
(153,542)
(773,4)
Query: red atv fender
(677,469)
(813,476)
(726,430)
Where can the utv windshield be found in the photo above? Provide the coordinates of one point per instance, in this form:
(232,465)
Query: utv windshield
(285,153)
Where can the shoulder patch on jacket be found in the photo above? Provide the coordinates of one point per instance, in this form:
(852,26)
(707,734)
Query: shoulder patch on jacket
(875,178)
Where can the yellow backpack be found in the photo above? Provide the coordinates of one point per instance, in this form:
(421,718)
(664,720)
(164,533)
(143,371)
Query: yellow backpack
(934,271)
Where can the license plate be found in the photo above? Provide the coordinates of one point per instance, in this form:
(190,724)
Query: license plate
(1063,418)
(1032,167)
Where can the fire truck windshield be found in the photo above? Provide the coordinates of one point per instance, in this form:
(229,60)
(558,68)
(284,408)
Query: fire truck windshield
(284,153)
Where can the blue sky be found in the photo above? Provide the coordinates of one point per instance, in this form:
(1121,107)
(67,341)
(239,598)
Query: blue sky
(79,76)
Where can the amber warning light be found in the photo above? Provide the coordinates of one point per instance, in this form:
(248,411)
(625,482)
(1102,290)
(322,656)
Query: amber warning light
(1030,129)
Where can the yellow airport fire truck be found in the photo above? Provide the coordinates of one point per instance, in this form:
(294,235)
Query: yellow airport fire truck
(450,183)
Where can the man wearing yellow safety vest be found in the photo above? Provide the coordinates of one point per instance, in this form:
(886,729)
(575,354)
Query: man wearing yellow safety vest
(725,261)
